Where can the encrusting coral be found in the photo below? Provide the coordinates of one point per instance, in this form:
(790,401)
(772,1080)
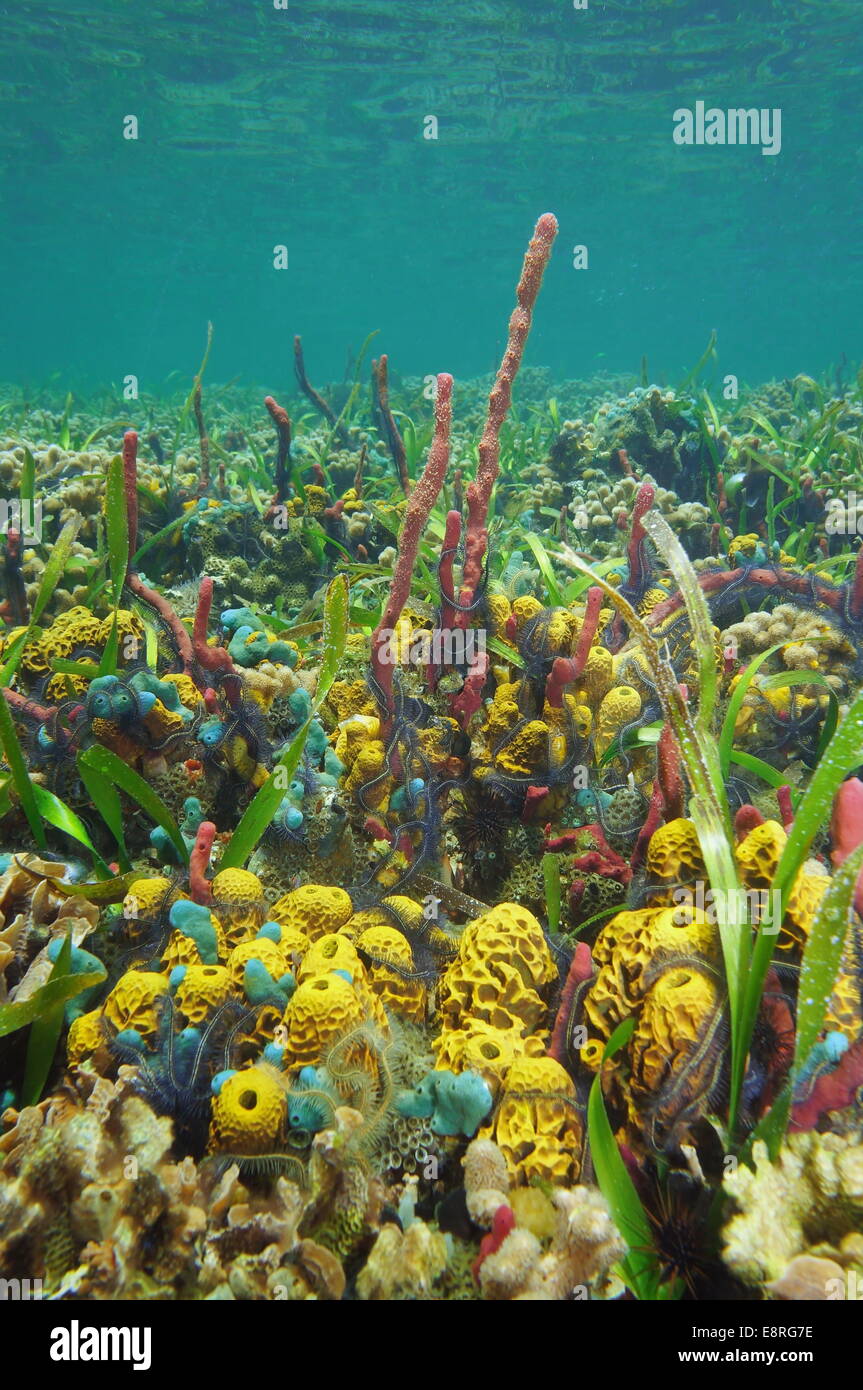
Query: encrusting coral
(817,1185)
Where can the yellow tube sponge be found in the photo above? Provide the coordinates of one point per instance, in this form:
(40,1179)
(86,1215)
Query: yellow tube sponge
(392,972)
(202,989)
(271,954)
(85,1036)
(480,1047)
(148,896)
(321,1011)
(621,706)
(133,1001)
(526,751)
(315,909)
(337,952)
(536,1125)
(248,1113)
(238,904)
(674,1031)
(674,853)
(597,678)
(759,852)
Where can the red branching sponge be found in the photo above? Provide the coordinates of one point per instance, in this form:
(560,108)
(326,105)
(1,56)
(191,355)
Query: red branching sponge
(625,465)
(155,600)
(715,537)
(670,776)
(835,1091)
(746,818)
(566,669)
(458,490)
(479,491)
(420,503)
(130,485)
(652,822)
(469,699)
(593,861)
(666,800)
(596,855)
(568,840)
(358,473)
(452,536)
(533,799)
(786,810)
(846,825)
(721,495)
(777,581)
(214,659)
(502,1223)
(855,603)
(203,440)
(16,589)
(638,567)
(580,969)
(846,828)
(30,708)
(639,574)
(199,862)
(380,380)
(314,396)
(777,1020)
(282,421)
(134,583)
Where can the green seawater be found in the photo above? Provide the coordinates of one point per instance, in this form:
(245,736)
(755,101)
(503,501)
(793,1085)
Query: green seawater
(306,127)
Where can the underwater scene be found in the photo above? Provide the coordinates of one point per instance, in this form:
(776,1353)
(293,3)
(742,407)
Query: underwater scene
(431,647)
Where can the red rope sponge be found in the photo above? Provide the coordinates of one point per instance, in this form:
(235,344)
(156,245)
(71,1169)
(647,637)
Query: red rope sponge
(480,490)
(419,507)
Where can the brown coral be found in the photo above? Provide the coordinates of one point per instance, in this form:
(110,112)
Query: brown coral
(403,1265)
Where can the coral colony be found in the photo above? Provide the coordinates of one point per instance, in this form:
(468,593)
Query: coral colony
(434,880)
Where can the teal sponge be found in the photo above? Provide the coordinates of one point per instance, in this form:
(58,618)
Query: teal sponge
(194,920)
(455,1104)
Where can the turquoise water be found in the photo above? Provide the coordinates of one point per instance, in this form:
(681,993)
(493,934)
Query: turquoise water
(304,127)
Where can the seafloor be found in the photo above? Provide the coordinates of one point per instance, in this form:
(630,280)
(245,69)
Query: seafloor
(431,836)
